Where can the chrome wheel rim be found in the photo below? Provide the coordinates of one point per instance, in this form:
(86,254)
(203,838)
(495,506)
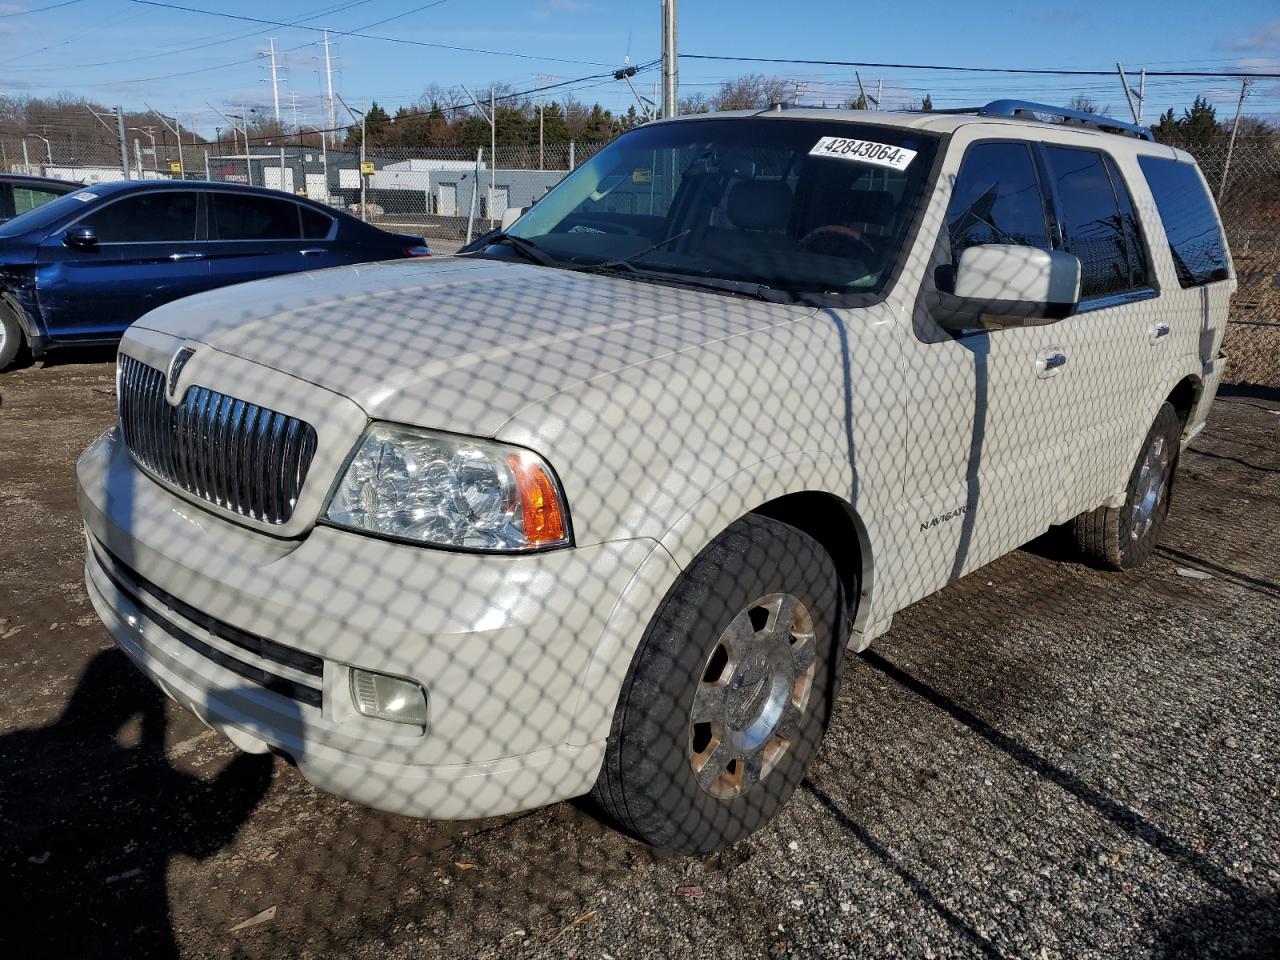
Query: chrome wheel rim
(752,696)
(1149,490)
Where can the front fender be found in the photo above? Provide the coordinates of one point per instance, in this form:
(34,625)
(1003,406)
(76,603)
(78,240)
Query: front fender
(717,507)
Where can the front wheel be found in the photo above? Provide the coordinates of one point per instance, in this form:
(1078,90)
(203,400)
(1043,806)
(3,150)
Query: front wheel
(728,696)
(1125,537)
(11,339)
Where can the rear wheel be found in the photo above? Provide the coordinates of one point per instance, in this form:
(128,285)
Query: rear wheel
(11,337)
(729,693)
(1125,537)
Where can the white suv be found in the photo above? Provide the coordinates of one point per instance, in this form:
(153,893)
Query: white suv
(600,506)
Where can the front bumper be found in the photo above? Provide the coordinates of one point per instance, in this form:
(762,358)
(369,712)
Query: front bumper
(256,637)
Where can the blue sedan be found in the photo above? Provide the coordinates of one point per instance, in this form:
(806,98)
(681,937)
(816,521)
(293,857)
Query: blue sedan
(78,270)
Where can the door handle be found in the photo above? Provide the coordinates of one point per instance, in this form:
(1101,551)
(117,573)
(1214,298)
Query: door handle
(187,255)
(1158,331)
(1050,362)
(313,251)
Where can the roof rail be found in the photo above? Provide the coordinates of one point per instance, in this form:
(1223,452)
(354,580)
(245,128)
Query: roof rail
(1026,110)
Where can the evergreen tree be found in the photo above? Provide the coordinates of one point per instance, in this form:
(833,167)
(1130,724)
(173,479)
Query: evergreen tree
(1166,129)
(599,125)
(555,128)
(927,104)
(1199,123)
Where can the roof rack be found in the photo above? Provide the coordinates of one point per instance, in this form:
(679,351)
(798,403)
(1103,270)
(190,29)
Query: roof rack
(1027,110)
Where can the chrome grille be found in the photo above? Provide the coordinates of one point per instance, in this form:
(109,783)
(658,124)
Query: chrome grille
(239,455)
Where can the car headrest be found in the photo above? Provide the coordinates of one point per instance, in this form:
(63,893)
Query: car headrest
(759,205)
(869,206)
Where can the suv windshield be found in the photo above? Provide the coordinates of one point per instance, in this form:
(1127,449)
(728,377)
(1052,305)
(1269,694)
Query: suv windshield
(795,205)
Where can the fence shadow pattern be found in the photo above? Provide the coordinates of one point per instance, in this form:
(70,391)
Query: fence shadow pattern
(679,424)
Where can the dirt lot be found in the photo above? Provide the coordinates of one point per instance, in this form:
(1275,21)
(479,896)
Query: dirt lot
(1041,761)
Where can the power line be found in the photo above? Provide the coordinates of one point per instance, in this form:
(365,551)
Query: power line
(52,6)
(329,11)
(368,36)
(1236,74)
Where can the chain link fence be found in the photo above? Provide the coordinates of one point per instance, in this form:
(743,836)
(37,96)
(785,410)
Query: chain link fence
(1246,181)
(450,193)
(454,193)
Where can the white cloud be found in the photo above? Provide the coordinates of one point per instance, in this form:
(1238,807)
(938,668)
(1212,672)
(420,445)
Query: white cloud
(1265,39)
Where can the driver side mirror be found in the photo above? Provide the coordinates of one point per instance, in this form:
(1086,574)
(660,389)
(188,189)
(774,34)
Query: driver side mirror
(81,238)
(1006,285)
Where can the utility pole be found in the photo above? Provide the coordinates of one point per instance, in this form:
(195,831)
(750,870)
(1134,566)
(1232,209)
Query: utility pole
(176,130)
(543,80)
(493,148)
(275,80)
(248,160)
(670,61)
(1142,92)
(1128,93)
(1235,128)
(868,103)
(328,78)
(26,160)
(137,157)
(293,102)
(492,117)
(124,143)
(364,143)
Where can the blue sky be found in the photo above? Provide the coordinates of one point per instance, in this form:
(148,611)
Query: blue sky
(124,51)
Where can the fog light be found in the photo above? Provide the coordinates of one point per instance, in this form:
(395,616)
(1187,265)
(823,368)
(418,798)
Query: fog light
(389,698)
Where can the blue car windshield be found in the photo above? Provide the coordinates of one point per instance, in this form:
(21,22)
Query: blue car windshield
(47,216)
(795,204)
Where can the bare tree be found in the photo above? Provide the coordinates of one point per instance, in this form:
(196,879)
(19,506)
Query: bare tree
(748,92)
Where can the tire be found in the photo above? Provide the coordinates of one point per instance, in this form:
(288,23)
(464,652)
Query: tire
(1121,538)
(12,339)
(779,591)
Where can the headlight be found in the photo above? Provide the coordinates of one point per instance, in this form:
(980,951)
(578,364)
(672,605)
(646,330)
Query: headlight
(449,491)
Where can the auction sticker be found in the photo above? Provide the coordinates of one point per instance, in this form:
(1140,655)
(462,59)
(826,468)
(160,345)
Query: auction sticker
(85,196)
(864,151)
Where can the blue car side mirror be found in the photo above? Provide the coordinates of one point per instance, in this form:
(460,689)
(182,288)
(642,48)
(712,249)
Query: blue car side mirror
(81,238)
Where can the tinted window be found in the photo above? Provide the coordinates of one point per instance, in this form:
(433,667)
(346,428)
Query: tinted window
(1139,262)
(1195,239)
(164,216)
(315,225)
(28,198)
(1091,221)
(249,217)
(997,199)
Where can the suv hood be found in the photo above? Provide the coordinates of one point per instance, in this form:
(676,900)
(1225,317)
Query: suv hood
(458,344)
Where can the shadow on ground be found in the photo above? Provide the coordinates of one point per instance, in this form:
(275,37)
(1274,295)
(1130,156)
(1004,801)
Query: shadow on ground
(86,866)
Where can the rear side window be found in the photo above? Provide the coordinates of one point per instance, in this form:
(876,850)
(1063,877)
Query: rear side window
(1098,226)
(997,199)
(251,217)
(1190,224)
(166,216)
(315,225)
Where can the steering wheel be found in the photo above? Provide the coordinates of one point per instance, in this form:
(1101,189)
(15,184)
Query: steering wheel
(842,236)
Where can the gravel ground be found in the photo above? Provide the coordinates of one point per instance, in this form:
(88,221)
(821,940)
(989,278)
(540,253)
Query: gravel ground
(1041,761)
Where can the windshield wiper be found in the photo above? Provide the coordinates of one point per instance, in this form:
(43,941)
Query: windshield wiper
(628,263)
(528,249)
(743,288)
